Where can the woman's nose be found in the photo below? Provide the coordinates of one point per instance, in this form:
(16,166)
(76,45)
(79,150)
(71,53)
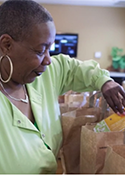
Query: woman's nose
(47,59)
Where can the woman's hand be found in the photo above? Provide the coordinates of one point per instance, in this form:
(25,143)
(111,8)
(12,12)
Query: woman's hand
(115,96)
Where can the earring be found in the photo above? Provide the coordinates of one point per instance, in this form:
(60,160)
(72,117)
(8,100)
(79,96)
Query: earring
(11,68)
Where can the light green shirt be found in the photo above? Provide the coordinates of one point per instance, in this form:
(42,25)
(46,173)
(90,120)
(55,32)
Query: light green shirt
(22,145)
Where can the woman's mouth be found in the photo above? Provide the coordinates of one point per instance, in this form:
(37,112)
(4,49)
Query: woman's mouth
(38,73)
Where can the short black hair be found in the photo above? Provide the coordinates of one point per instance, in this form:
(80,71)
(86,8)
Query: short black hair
(17,17)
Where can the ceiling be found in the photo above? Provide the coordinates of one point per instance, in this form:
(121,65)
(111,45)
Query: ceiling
(109,3)
(104,3)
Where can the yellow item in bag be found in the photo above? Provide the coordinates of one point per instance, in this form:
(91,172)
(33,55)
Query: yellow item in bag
(112,123)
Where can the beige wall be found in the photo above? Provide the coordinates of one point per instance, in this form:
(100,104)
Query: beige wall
(99,28)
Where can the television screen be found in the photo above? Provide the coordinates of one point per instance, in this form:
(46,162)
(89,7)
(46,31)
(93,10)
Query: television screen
(65,43)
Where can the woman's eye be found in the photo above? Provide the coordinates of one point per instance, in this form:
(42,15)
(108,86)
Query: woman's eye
(40,53)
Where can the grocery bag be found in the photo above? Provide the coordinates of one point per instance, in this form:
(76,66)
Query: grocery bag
(63,108)
(115,160)
(94,146)
(71,123)
(72,101)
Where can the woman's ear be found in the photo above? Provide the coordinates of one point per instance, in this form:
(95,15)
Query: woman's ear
(5,43)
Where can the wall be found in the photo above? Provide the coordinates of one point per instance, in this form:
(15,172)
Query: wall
(99,28)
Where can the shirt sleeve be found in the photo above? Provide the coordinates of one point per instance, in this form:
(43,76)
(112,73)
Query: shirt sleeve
(76,75)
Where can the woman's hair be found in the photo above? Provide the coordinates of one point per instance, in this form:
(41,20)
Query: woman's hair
(17,17)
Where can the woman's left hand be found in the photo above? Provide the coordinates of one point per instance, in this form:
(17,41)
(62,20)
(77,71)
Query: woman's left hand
(115,96)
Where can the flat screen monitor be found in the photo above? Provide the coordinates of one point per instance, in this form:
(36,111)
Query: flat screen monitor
(65,43)
(118,77)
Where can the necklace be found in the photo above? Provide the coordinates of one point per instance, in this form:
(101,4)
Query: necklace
(17,99)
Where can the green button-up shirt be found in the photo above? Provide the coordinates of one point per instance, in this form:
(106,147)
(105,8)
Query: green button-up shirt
(22,146)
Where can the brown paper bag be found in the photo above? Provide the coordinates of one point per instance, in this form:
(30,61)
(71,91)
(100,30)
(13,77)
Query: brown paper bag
(115,160)
(73,101)
(93,148)
(71,123)
(63,108)
(71,97)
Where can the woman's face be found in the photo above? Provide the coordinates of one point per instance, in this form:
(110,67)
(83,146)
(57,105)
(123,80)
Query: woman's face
(31,57)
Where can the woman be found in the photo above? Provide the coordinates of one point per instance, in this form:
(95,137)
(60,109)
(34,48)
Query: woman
(30,83)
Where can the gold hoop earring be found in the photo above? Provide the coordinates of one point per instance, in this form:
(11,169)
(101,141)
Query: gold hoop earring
(11,68)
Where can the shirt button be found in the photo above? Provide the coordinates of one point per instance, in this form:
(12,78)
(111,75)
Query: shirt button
(43,135)
(18,121)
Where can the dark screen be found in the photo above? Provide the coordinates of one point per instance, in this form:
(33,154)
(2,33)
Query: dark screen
(66,44)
